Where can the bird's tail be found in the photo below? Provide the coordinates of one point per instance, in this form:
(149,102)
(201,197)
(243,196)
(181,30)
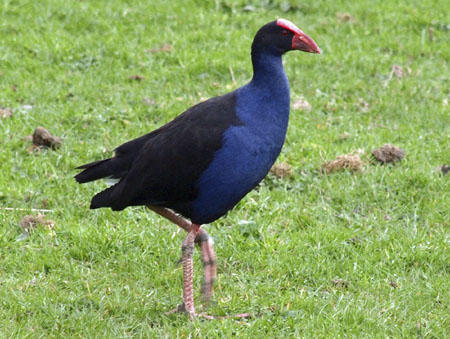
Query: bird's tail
(111,168)
(94,171)
(102,199)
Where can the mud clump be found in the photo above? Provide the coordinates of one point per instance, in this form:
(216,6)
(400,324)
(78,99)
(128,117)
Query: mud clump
(43,138)
(388,154)
(351,162)
(281,170)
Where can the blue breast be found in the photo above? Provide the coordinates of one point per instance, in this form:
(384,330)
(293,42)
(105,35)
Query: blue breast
(248,151)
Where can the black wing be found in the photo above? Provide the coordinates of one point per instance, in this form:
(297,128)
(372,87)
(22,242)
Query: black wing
(162,167)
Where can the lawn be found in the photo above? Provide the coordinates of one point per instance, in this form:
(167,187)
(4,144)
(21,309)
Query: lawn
(311,255)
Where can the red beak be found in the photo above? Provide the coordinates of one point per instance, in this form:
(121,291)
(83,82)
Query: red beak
(303,42)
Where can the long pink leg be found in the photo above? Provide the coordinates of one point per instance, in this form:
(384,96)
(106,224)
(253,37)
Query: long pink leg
(205,243)
(188,270)
(209,264)
(201,237)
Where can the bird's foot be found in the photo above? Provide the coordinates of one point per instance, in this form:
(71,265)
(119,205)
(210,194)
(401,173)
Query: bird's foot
(179,308)
(212,317)
(192,314)
(182,309)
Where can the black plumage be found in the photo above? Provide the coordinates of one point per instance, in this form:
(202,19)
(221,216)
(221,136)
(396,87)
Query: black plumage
(162,167)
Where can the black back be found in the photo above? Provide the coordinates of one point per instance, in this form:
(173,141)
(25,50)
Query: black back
(162,167)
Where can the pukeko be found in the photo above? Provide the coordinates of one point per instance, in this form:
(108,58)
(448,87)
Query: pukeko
(201,164)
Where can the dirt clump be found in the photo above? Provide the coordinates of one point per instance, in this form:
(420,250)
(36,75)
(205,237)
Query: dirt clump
(388,153)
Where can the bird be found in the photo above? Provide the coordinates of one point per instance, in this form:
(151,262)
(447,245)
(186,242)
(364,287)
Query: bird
(197,167)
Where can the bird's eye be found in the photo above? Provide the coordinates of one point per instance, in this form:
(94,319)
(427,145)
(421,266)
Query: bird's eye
(284,33)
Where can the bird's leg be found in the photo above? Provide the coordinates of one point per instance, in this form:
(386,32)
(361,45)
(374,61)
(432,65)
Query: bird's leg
(199,236)
(188,270)
(209,263)
(205,243)
(172,216)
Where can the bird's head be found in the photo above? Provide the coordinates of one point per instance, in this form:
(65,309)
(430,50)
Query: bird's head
(281,36)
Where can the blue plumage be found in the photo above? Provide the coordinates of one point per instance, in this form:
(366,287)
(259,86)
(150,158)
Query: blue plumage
(248,151)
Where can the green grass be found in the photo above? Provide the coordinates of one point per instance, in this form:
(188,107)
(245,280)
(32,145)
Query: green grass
(100,274)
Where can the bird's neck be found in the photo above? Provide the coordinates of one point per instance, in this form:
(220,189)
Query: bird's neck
(269,87)
(268,71)
(264,102)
